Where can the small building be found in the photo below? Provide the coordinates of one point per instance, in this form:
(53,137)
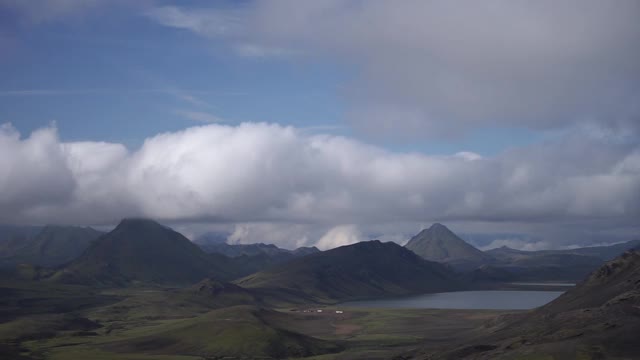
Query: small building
(339,312)
(319,310)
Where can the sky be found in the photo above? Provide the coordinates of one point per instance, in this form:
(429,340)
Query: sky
(326,122)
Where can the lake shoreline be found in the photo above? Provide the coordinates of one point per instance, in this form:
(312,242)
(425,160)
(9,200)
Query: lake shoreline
(463,300)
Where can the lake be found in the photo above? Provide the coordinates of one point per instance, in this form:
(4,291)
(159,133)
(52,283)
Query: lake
(489,299)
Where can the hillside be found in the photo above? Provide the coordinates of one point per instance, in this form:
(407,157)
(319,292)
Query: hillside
(52,246)
(363,270)
(598,319)
(440,244)
(238,332)
(44,246)
(139,250)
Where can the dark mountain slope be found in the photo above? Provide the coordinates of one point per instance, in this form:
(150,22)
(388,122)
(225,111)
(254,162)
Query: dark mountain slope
(363,270)
(139,250)
(234,250)
(250,258)
(545,265)
(438,243)
(598,319)
(52,246)
(13,236)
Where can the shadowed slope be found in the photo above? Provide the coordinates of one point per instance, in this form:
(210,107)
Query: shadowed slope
(50,246)
(363,270)
(598,319)
(139,250)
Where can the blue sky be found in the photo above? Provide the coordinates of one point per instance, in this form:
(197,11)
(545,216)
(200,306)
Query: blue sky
(318,122)
(119,76)
(123,78)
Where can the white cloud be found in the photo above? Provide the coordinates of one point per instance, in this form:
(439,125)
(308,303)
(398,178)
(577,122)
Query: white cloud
(286,185)
(428,68)
(520,244)
(340,236)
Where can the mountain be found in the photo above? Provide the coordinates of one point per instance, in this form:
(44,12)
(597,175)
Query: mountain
(49,246)
(212,237)
(140,250)
(234,250)
(597,319)
(242,249)
(604,253)
(305,250)
(440,244)
(13,235)
(546,265)
(219,294)
(363,270)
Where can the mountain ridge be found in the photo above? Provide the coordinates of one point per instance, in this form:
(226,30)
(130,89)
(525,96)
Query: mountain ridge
(363,270)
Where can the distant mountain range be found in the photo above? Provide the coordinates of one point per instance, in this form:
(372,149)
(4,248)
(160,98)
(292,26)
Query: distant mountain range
(570,264)
(504,264)
(43,246)
(363,270)
(234,250)
(141,251)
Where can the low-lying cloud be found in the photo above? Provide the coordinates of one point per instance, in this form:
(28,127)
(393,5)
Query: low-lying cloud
(259,173)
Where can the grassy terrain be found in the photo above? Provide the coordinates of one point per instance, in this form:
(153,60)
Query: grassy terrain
(162,323)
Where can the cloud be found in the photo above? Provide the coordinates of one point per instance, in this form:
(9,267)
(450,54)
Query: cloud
(199,116)
(261,174)
(286,235)
(339,236)
(433,68)
(34,171)
(520,244)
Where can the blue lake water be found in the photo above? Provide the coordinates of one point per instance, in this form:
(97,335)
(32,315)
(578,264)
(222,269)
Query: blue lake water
(489,299)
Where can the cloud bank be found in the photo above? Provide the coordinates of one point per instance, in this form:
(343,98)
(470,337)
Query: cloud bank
(267,173)
(433,68)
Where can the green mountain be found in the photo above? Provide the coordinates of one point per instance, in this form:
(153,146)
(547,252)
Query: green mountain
(440,244)
(363,270)
(140,250)
(49,246)
(219,294)
(238,332)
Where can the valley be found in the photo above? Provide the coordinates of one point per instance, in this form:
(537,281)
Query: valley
(144,291)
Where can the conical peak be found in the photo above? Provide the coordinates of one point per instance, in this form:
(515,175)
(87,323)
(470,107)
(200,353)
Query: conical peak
(438,226)
(137,222)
